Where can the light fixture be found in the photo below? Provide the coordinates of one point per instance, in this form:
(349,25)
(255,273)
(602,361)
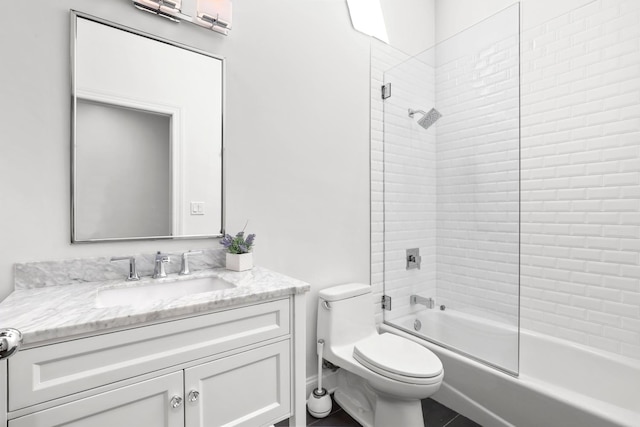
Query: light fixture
(212,14)
(166,8)
(366,17)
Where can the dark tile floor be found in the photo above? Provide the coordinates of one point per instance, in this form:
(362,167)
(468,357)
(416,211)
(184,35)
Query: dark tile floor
(435,415)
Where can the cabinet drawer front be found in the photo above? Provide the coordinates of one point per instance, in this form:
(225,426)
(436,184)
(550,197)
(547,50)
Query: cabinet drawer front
(44,373)
(142,404)
(245,390)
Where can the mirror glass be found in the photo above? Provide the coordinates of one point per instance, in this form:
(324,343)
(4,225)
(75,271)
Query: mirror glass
(147,136)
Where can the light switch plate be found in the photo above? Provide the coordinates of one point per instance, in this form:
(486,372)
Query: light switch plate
(197,208)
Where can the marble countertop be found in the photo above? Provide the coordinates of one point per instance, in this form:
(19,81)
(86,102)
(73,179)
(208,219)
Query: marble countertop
(59,312)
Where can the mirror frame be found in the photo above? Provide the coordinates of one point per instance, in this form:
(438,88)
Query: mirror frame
(74,15)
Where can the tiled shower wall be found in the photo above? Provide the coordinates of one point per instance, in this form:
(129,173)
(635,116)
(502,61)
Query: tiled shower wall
(477,92)
(580,182)
(383,57)
(457,199)
(580,269)
(409,178)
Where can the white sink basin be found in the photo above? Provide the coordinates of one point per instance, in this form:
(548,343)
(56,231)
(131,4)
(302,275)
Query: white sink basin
(152,292)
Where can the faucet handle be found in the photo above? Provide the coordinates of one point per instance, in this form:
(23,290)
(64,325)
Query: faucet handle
(160,261)
(184,269)
(133,271)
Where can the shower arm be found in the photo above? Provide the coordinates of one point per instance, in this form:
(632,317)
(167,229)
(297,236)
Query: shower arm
(412,112)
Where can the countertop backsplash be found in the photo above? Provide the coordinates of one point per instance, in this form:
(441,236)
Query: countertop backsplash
(82,270)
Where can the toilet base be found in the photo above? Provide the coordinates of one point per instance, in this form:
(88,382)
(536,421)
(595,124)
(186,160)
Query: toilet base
(373,409)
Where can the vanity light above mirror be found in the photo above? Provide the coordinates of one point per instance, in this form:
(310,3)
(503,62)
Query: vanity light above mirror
(211,14)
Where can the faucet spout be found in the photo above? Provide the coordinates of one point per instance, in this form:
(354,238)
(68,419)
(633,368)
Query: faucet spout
(427,302)
(184,268)
(133,272)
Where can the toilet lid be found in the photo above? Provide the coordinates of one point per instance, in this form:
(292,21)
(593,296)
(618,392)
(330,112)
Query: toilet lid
(392,354)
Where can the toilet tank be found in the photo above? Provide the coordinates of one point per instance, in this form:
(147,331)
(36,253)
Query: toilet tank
(345,314)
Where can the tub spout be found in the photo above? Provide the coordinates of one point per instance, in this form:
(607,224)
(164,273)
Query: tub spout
(427,302)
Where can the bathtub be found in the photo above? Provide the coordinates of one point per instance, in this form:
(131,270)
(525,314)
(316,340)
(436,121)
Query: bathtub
(560,384)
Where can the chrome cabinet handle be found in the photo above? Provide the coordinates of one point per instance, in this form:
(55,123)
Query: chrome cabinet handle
(193,396)
(10,341)
(175,402)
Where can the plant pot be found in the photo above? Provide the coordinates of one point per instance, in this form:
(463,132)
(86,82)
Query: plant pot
(239,262)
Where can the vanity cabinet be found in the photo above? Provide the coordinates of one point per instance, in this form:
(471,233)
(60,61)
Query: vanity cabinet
(147,403)
(235,367)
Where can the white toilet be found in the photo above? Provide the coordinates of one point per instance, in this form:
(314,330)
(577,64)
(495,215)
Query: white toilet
(383,377)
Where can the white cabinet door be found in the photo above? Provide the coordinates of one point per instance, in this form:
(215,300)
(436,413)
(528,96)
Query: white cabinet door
(147,404)
(247,389)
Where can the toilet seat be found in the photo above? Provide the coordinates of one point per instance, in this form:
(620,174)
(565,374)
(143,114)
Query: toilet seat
(398,358)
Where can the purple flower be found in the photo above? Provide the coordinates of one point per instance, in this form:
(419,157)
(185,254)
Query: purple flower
(226,241)
(238,244)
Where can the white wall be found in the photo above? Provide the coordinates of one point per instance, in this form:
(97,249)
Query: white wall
(410,24)
(297,136)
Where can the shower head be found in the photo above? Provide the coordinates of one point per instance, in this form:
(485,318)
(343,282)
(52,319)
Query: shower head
(427,119)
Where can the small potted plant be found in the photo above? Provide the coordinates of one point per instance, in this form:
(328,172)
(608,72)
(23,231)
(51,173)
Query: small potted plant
(239,256)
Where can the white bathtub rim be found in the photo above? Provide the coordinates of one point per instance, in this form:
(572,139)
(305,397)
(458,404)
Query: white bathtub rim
(509,370)
(617,358)
(523,356)
(611,393)
(494,323)
(454,355)
(598,408)
(481,325)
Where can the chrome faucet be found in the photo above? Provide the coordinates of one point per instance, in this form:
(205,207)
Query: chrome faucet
(417,299)
(184,268)
(133,272)
(158,269)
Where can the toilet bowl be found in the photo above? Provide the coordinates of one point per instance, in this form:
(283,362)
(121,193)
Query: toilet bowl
(383,377)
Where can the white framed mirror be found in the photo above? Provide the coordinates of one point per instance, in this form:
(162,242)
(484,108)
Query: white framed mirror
(147,136)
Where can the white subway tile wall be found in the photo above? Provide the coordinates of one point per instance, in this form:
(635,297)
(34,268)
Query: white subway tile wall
(580,184)
(409,184)
(580,265)
(383,58)
(478,144)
